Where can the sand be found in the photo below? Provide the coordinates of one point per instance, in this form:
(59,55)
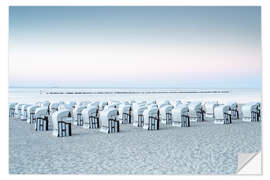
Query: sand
(203,148)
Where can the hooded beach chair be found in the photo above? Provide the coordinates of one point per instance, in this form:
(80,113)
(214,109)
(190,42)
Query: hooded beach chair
(196,112)
(166,114)
(24,112)
(180,116)
(251,112)
(209,108)
(62,123)
(109,121)
(137,115)
(151,118)
(234,109)
(53,107)
(31,113)
(124,114)
(12,110)
(41,119)
(223,115)
(91,117)
(77,115)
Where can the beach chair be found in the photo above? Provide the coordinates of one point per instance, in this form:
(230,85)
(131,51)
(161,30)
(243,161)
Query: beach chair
(196,112)
(24,112)
(166,114)
(137,116)
(18,111)
(209,108)
(62,123)
(53,107)
(234,110)
(91,118)
(72,104)
(102,105)
(77,115)
(151,118)
(222,115)
(180,116)
(251,112)
(41,119)
(31,113)
(124,114)
(12,109)
(109,121)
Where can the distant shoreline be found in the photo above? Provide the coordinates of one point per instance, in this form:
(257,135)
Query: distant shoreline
(132,92)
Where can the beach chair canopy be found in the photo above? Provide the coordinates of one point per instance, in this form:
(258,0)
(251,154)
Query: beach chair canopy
(151,112)
(181,109)
(54,105)
(12,105)
(32,109)
(233,105)
(45,103)
(41,112)
(78,110)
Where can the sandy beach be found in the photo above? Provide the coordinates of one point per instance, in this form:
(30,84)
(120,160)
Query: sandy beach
(204,148)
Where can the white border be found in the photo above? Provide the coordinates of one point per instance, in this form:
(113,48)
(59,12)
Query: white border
(4,72)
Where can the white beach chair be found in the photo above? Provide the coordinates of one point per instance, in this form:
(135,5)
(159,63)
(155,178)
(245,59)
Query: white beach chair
(223,115)
(31,113)
(91,117)
(151,119)
(137,116)
(77,115)
(62,123)
(24,112)
(109,121)
(166,114)
(196,112)
(180,116)
(12,109)
(72,104)
(102,105)
(209,108)
(234,109)
(18,111)
(41,119)
(251,112)
(53,107)
(124,114)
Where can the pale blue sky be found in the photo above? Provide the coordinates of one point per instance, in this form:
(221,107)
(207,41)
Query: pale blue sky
(135,46)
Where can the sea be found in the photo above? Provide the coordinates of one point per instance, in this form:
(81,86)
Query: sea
(31,95)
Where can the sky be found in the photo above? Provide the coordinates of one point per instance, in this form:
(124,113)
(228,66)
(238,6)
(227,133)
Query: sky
(168,47)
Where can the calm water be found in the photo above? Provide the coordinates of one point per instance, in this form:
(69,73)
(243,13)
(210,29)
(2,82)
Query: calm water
(32,95)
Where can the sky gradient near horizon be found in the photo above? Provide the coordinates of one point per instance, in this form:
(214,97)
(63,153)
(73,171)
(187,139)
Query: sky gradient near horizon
(190,47)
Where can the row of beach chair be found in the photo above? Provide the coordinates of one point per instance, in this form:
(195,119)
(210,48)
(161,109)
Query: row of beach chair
(108,116)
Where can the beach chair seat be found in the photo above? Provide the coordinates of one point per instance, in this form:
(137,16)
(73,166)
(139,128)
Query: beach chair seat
(137,116)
